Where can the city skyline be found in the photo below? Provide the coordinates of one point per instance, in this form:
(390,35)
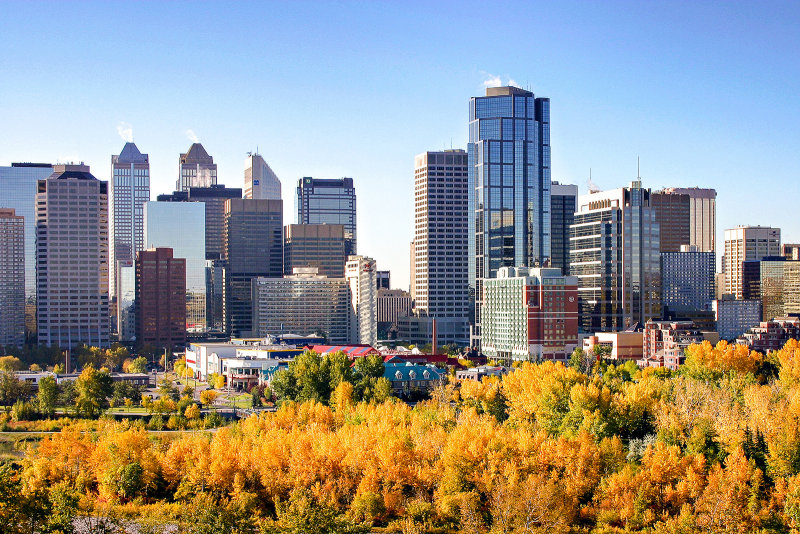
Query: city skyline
(684,114)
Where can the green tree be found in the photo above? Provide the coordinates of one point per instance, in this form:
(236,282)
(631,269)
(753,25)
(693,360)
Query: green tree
(167,389)
(12,389)
(10,363)
(92,389)
(47,396)
(139,365)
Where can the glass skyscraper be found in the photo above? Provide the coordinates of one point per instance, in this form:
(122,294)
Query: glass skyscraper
(18,191)
(130,189)
(181,226)
(322,201)
(509,185)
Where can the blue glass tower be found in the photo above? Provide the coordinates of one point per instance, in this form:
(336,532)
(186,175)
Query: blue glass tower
(509,185)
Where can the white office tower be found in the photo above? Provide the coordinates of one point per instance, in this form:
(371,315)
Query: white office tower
(361,273)
(259,180)
(130,189)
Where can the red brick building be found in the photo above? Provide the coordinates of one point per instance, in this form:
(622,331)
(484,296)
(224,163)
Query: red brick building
(160,298)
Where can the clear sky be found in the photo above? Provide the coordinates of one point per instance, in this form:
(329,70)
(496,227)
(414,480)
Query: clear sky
(705,93)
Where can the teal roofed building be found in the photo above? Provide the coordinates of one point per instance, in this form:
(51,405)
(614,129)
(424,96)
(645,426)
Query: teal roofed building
(408,378)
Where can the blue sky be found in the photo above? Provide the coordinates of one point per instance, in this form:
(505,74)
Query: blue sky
(705,93)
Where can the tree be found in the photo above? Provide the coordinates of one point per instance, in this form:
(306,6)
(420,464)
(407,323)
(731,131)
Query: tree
(47,396)
(167,389)
(208,397)
(35,368)
(12,389)
(10,363)
(93,389)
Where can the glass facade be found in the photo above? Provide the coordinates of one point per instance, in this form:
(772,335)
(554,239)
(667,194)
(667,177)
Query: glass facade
(302,304)
(260,182)
(563,204)
(509,184)
(196,168)
(181,226)
(687,281)
(614,252)
(252,247)
(18,191)
(322,201)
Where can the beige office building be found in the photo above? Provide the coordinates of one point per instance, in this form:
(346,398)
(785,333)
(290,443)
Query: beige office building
(745,243)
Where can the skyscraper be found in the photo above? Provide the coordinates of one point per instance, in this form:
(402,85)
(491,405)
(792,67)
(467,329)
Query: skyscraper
(259,180)
(181,227)
(196,169)
(12,278)
(745,243)
(563,204)
(214,198)
(614,253)
(509,185)
(687,280)
(130,189)
(315,245)
(72,252)
(673,215)
(702,216)
(18,185)
(160,299)
(360,272)
(323,201)
(252,247)
(441,242)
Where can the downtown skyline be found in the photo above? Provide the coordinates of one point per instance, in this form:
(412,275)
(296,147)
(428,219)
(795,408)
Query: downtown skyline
(708,103)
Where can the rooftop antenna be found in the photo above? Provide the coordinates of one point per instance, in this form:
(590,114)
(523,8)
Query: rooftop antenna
(590,184)
(638,174)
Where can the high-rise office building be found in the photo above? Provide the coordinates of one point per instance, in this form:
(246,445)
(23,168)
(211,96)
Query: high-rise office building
(614,253)
(773,281)
(702,216)
(72,252)
(509,185)
(530,314)
(735,316)
(18,185)
(12,278)
(441,241)
(196,169)
(791,251)
(687,280)
(383,280)
(214,198)
(181,226)
(259,180)
(252,247)
(360,272)
(323,201)
(745,243)
(673,215)
(391,305)
(129,190)
(160,299)
(315,245)
(563,205)
(302,303)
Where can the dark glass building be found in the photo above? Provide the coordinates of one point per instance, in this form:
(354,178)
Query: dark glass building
(509,185)
(673,217)
(252,247)
(315,245)
(160,299)
(323,201)
(563,204)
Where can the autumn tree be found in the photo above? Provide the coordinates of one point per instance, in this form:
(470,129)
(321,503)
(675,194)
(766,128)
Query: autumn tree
(47,396)
(92,389)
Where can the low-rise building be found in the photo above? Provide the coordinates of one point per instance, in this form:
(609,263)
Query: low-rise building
(409,379)
(771,335)
(206,358)
(477,373)
(622,345)
(664,342)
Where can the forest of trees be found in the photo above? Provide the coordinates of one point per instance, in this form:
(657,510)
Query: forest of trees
(714,447)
